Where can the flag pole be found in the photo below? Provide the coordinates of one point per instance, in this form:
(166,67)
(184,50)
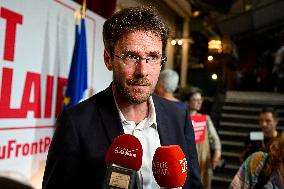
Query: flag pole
(84,8)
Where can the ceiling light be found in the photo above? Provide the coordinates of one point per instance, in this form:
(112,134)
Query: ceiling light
(173,42)
(210,58)
(214,76)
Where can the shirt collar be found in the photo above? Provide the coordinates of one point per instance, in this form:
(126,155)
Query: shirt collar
(151,118)
(152,114)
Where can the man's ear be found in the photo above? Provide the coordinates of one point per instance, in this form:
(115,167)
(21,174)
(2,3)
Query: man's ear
(107,60)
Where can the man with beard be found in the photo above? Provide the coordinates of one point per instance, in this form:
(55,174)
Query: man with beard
(135,40)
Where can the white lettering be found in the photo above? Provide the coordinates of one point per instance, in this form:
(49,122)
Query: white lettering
(124,151)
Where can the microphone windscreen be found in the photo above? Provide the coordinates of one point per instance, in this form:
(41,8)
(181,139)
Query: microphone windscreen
(169,166)
(125,151)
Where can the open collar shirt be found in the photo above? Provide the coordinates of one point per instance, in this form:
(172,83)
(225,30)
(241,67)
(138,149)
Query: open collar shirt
(147,133)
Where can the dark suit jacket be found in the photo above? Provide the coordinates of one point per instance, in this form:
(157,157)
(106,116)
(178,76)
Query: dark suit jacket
(84,133)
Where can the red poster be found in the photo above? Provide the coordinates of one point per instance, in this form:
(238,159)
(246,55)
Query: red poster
(199,126)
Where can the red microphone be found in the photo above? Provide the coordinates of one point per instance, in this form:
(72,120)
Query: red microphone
(169,166)
(123,159)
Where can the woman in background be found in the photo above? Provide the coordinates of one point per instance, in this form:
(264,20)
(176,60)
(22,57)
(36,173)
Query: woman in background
(207,161)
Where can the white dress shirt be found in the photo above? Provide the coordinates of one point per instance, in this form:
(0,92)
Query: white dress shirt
(147,133)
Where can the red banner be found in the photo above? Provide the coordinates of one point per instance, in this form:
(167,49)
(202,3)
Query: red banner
(36,46)
(199,126)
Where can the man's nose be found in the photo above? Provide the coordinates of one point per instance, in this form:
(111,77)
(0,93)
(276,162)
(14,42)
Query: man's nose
(263,123)
(142,68)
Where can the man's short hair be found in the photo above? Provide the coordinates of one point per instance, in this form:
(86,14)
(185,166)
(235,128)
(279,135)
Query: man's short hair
(134,19)
(270,110)
(169,78)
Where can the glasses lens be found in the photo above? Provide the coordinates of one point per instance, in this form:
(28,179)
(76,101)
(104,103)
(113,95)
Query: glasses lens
(131,60)
(153,60)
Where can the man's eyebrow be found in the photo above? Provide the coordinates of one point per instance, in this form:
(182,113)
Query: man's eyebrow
(154,53)
(151,53)
(129,52)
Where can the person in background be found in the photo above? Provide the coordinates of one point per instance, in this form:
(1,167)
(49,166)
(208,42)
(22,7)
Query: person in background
(14,180)
(268,120)
(207,161)
(135,39)
(166,86)
(261,169)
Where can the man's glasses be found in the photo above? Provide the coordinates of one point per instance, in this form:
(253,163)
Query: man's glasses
(131,59)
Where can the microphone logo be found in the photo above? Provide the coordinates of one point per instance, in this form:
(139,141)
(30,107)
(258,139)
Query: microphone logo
(125,151)
(160,168)
(123,160)
(183,164)
(169,166)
